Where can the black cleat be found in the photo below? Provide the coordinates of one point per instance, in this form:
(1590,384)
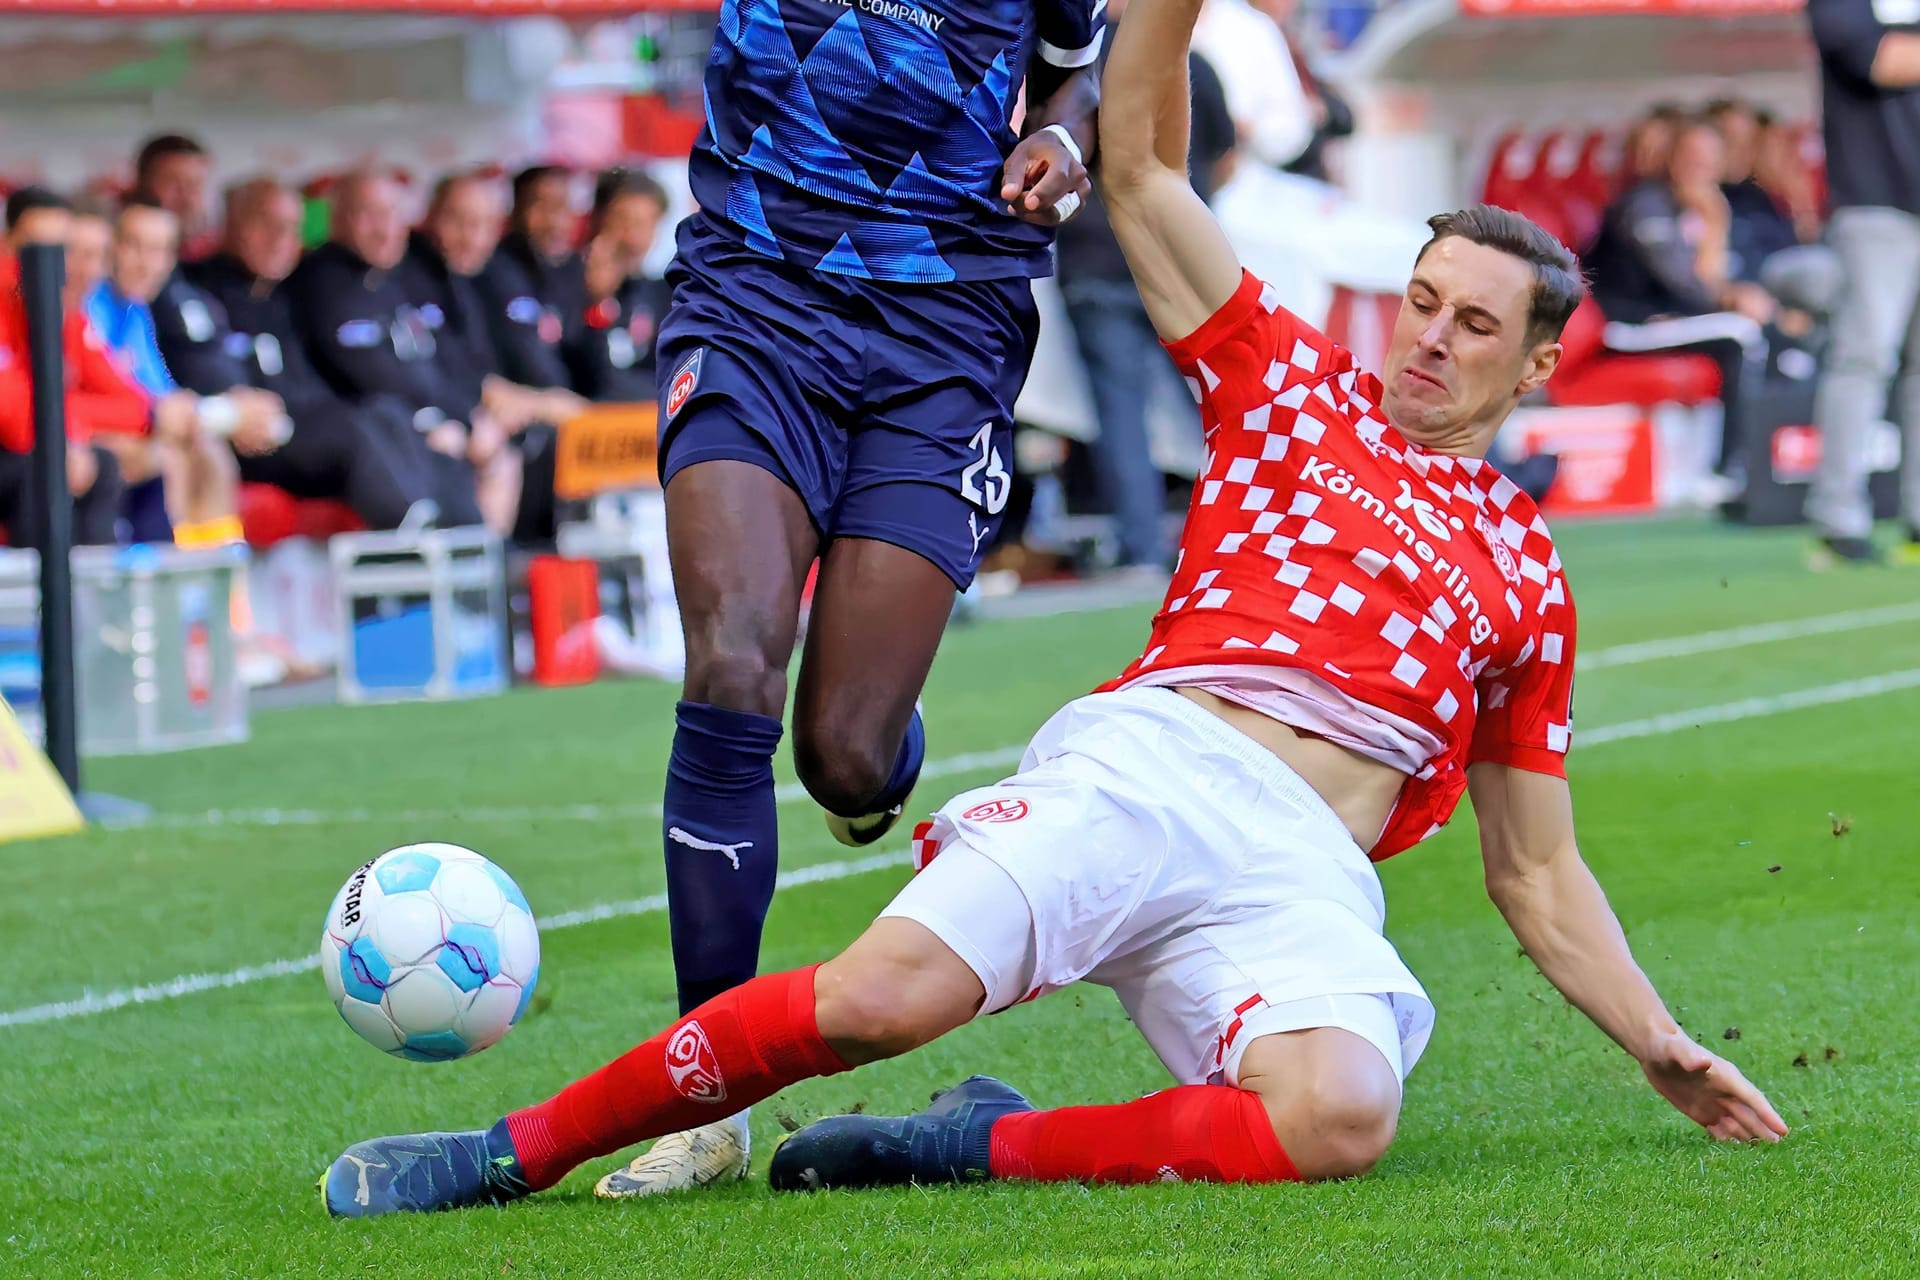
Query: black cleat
(424,1172)
(951,1141)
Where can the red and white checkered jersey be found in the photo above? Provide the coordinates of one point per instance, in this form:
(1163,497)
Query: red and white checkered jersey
(1417,583)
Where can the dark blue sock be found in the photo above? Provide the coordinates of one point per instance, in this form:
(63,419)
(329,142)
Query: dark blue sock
(721,829)
(906,767)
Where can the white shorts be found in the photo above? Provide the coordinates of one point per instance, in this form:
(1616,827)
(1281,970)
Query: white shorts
(1148,846)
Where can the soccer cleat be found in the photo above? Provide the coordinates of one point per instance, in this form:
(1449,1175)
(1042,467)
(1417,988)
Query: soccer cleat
(713,1153)
(951,1141)
(1831,552)
(423,1173)
(858,833)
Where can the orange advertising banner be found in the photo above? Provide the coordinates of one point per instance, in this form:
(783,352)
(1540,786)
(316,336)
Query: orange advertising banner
(609,447)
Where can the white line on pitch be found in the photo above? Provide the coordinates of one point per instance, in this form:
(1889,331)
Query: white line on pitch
(1623,655)
(1651,727)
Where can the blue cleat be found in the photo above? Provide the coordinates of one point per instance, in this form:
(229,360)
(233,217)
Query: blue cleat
(950,1141)
(425,1172)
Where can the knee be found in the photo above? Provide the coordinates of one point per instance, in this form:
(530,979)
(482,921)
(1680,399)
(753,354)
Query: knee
(739,667)
(840,762)
(1339,1125)
(895,989)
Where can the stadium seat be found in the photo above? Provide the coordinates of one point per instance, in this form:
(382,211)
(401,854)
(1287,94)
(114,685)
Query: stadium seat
(270,515)
(1590,375)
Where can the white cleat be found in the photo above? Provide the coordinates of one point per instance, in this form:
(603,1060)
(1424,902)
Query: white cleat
(712,1154)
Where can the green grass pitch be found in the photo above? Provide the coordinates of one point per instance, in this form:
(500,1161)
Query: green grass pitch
(1765,865)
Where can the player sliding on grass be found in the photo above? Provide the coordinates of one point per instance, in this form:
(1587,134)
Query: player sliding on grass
(1367,621)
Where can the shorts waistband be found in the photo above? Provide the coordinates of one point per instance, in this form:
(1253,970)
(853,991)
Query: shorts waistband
(1262,763)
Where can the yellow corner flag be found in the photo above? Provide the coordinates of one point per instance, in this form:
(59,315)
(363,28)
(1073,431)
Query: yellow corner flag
(33,799)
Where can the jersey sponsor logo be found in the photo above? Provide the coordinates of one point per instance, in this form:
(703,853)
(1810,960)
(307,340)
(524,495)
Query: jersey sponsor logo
(895,11)
(685,379)
(693,1067)
(1427,518)
(997,811)
(1502,554)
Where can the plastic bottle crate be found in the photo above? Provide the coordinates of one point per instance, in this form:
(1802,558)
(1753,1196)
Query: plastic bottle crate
(423,615)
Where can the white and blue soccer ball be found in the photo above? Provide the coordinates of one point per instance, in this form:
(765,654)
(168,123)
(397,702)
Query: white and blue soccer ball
(430,952)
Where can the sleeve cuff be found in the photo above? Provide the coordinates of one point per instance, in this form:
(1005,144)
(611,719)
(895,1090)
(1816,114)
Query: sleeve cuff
(1069,59)
(1221,323)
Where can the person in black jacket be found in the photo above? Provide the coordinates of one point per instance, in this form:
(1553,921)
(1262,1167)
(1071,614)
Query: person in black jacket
(369,341)
(610,353)
(366,459)
(440,271)
(535,285)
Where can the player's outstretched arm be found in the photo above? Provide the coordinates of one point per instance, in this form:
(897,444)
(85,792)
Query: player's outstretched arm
(1537,878)
(1181,259)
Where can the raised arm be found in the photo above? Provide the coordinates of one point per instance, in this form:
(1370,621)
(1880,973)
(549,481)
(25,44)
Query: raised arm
(1537,878)
(1181,260)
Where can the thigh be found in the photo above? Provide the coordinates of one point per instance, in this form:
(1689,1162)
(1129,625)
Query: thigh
(758,365)
(929,466)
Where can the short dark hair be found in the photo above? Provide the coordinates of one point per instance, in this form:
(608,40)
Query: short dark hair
(138,199)
(1667,111)
(160,147)
(530,177)
(618,183)
(1725,106)
(1558,286)
(28,200)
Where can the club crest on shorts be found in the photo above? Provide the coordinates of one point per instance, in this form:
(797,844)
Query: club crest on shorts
(997,811)
(693,1067)
(684,380)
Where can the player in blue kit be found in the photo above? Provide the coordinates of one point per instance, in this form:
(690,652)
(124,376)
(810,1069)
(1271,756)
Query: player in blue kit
(851,323)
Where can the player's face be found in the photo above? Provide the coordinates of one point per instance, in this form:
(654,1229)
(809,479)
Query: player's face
(466,226)
(1460,355)
(144,241)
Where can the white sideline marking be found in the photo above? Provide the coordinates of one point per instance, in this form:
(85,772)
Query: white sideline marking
(1627,655)
(1623,655)
(1651,727)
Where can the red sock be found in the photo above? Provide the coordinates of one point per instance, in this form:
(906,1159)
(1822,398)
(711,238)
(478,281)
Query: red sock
(1197,1133)
(737,1049)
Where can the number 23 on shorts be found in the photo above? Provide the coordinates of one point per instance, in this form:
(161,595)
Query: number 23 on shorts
(984,481)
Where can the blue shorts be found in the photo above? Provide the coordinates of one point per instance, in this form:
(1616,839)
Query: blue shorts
(887,407)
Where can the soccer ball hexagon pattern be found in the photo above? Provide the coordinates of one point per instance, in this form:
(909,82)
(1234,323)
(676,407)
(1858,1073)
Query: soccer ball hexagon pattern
(430,952)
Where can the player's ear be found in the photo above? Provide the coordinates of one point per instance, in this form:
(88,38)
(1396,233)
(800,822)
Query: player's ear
(1541,362)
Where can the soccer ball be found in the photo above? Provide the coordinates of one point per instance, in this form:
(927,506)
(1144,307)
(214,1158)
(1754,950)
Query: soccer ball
(430,952)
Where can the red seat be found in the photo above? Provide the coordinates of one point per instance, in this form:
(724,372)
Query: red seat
(1589,374)
(1509,169)
(271,515)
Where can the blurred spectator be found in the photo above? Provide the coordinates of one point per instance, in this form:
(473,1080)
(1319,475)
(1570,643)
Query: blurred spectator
(535,285)
(610,354)
(1661,272)
(369,341)
(1783,174)
(370,460)
(444,259)
(1122,355)
(1759,228)
(1649,146)
(172,171)
(1244,44)
(1332,122)
(98,396)
(189,479)
(1870,77)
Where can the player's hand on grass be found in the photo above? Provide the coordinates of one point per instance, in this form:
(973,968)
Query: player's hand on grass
(1710,1091)
(1039,174)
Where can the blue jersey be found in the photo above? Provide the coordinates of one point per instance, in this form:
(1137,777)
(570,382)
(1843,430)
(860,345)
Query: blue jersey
(866,137)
